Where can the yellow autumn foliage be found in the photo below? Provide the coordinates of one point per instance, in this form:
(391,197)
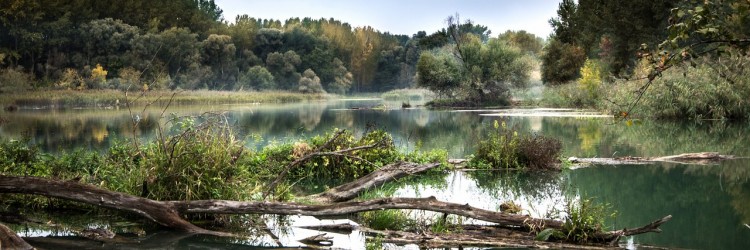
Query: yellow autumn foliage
(98,74)
(591,78)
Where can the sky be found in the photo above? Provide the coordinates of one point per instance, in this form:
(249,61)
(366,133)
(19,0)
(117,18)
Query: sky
(405,16)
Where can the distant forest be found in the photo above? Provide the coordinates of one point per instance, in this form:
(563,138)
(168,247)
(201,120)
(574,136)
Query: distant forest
(187,44)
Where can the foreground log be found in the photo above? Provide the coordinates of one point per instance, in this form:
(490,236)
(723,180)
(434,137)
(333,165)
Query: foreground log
(160,212)
(10,240)
(344,208)
(703,158)
(168,213)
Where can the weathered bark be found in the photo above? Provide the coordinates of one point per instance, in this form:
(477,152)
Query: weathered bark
(385,174)
(343,208)
(703,158)
(614,236)
(168,213)
(160,212)
(10,240)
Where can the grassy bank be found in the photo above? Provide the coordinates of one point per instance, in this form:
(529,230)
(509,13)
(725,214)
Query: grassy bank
(108,98)
(701,89)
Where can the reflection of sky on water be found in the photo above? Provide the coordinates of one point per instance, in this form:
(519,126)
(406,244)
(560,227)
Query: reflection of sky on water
(462,189)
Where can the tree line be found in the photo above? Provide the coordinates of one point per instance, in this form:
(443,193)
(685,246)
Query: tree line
(187,44)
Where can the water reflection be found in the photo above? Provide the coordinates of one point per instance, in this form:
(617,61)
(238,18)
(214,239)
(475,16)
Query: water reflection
(710,204)
(709,210)
(538,194)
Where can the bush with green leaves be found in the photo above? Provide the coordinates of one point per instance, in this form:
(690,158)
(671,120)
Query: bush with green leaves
(202,161)
(583,219)
(504,148)
(14,80)
(561,62)
(258,78)
(200,158)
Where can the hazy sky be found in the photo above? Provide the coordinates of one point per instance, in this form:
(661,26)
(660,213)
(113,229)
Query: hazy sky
(405,16)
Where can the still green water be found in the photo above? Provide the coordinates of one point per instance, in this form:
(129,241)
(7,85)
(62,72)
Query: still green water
(710,204)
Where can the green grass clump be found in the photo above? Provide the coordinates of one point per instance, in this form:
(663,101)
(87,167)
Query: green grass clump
(712,89)
(408,95)
(504,148)
(570,95)
(391,219)
(584,219)
(202,161)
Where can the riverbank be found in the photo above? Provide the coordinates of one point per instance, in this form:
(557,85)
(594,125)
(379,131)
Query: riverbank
(112,98)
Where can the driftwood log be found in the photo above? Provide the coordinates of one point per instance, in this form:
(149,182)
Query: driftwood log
(385,174)
(336,201)
(168,213)
(702,158)
(10,240)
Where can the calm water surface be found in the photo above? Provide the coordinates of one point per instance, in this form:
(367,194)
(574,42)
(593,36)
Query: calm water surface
(710,204)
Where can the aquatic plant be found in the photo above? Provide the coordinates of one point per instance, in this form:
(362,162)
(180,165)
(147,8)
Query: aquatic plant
(583,219)
(504,148)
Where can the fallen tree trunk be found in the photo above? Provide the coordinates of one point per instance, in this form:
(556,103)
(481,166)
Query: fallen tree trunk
(160,212)
(385,174)
(168,213)
(702,158)
(344,208)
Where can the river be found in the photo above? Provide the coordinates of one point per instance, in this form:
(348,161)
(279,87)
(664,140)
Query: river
(710,203)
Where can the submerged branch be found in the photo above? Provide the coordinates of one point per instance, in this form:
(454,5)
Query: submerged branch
(703,158)
(344,208)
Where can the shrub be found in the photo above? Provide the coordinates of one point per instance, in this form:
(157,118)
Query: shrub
(583,219)
(712,89)
(564,95)
(199,162)
(14,80)
(539,152)
(499,149)
(98,77)
(362,163)
(310,83)
(591,79)
(503,148)
(561,62)
(70,79)
(258,78)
